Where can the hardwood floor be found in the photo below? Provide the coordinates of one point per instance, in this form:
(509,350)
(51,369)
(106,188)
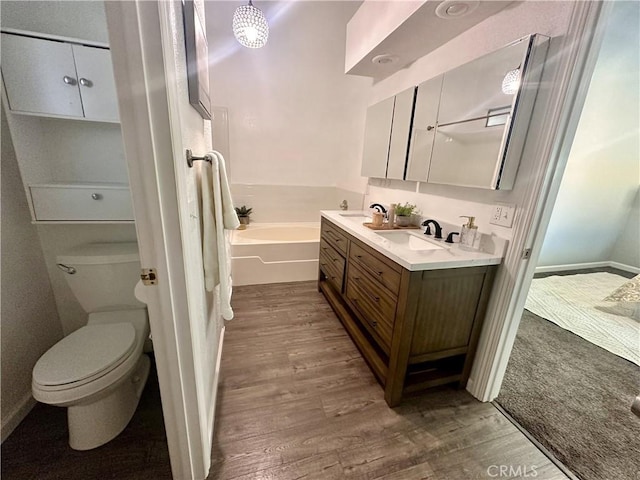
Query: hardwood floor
(296,400)
(38,449)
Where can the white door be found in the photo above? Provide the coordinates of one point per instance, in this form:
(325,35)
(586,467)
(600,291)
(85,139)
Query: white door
(158,124)
(97,87)
(40,76)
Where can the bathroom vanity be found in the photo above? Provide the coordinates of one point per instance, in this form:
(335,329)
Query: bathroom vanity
(413,306)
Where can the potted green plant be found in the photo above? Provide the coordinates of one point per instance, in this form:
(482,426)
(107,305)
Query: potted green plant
(243,213)
(403,214)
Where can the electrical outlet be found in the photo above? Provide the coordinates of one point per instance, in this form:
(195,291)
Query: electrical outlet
(495,216)
(503,215)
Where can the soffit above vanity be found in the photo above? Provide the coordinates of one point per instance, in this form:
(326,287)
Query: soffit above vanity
(385,37)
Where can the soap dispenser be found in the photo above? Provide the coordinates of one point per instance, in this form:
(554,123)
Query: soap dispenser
(469,232)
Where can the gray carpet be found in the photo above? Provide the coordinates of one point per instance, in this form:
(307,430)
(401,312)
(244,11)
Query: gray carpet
(574,398)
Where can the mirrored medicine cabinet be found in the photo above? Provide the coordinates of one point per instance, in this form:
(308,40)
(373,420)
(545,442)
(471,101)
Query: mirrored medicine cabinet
(469,124)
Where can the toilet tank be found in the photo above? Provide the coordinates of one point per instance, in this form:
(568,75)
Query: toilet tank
(103,276)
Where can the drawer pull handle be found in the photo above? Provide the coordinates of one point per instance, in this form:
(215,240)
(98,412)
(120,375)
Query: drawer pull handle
(96,196)
(373,297)
(379,273)
(66,268)
(374,324)
(358,256)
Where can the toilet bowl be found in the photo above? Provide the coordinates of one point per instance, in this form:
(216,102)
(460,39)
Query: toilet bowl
(99,371)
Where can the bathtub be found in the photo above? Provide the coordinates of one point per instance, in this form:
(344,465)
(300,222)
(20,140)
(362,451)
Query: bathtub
(275,253)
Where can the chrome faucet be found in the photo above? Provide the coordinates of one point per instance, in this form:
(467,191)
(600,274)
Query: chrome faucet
(378,207)
(344,205)
(436,225)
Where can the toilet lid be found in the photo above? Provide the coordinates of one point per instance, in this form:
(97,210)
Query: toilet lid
(85,353)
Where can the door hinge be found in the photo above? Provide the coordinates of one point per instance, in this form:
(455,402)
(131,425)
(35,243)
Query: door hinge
(526,254)
(148,276)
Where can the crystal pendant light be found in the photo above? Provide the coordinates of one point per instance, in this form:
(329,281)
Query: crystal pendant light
(511,81)
(250,26)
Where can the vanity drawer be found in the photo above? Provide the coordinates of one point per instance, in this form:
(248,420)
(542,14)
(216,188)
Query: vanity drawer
(81,202)
(332,264)
(382,271)
(334,237)
(375,306)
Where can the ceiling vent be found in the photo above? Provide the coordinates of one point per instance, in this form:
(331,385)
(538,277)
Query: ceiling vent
(452,9)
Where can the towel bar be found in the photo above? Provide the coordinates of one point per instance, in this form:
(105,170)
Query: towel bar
(191,158)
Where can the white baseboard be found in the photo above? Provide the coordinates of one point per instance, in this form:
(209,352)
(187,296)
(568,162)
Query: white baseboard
(582,266)
(16,416)
(626,268)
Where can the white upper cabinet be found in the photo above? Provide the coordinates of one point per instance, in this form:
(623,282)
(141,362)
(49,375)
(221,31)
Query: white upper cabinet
(386,137)
(400,131)
(54,78)
(424,129)
(97,86)
(40,76)
(377,135)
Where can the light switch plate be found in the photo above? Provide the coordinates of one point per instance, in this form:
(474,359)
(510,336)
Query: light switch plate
(502,215)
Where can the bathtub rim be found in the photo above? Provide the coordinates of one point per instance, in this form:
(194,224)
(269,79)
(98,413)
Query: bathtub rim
(257,225)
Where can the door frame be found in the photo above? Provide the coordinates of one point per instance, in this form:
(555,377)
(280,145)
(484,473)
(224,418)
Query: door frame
(575,61)
(136,41)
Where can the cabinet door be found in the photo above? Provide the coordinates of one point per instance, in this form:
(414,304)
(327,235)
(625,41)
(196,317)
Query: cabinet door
(400,131)
(423,130)
(475,89)
(376,139)
(97,86)
(40,76)
(469,153)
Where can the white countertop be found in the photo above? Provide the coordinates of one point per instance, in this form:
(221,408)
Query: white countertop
(490,252)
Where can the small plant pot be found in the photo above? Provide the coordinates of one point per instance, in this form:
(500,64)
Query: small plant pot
(244,220)
(403,221)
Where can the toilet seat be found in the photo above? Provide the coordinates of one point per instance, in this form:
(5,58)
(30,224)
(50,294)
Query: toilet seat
(87,354)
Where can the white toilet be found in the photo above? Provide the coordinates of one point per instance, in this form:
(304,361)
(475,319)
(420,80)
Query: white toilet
(99,371)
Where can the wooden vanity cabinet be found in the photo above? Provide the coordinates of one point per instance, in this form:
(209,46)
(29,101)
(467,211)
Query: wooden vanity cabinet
(416,330)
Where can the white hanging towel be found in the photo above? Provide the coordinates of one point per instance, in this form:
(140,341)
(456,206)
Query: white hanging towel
(218,215)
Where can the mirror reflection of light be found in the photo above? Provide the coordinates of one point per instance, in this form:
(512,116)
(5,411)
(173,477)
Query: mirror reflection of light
(511,81)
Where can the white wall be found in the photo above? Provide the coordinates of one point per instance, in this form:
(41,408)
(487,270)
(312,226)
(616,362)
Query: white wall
(595,203)
(294,117)
(79,19)
(626,251)
(448,202)
(29,320)
(291,203)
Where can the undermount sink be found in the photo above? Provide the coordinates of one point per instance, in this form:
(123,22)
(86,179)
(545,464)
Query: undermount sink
(409,240)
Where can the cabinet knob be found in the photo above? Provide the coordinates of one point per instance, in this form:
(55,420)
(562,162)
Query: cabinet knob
(69,80)
(96,196)
(374,324)
(86,82)
(429,128)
